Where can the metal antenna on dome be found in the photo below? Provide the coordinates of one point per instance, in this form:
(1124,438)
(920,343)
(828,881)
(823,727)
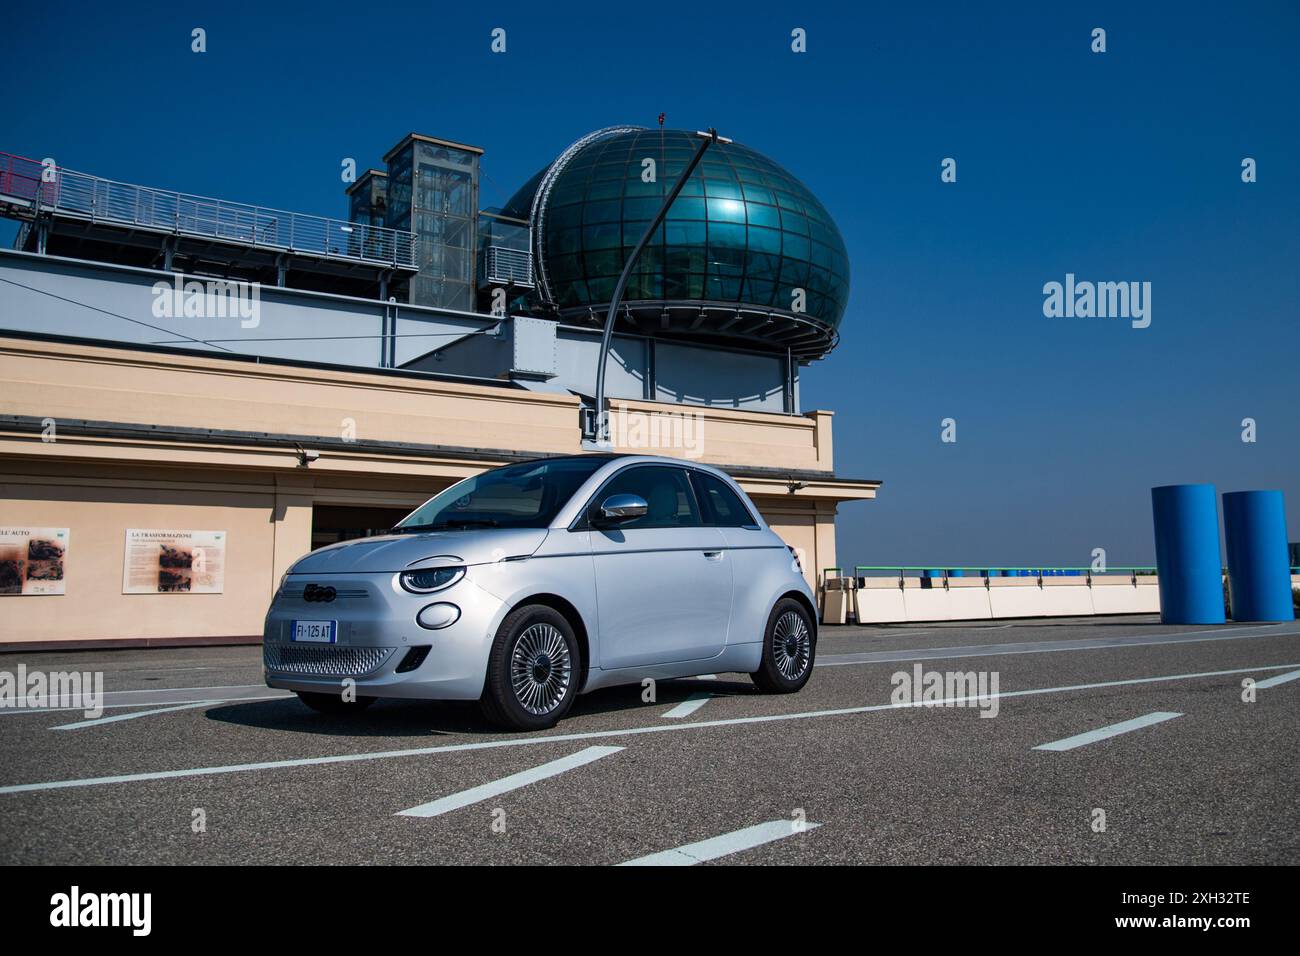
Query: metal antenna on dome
(599,434)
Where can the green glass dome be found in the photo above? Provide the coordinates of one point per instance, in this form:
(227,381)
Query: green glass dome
(746,251)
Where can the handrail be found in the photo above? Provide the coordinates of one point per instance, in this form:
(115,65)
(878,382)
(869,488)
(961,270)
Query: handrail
(984,570)
(945,573)
(83,195)
(503,264)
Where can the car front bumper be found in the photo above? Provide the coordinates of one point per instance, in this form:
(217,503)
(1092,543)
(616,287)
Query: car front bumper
(376,628)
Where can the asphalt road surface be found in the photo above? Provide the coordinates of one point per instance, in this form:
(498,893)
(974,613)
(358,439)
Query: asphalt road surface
(1112,740)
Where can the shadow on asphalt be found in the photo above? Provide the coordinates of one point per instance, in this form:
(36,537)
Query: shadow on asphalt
(415,718)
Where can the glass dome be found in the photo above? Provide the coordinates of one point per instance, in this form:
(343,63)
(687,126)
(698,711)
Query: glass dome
(746,251)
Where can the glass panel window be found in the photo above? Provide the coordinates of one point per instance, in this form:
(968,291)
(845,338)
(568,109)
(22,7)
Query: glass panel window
(726,210)
(760,215)
(670,501)
(607,211)
(722,506)
(716,189)
(728,234)
(764,240)
(527,495)
(604,236)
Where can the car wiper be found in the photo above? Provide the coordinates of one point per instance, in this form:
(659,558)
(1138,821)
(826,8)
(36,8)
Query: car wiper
(451,524)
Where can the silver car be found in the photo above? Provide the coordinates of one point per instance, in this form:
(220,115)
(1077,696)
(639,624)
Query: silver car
(527,585)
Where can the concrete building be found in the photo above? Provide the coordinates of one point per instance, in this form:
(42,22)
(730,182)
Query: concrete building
(253,383)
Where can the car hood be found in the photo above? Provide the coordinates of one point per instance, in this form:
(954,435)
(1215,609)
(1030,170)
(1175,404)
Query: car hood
(400,552)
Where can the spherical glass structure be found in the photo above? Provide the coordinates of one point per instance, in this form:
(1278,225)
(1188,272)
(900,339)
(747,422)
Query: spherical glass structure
(746,251)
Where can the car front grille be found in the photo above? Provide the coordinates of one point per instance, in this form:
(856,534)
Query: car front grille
(340,593)
(332,660)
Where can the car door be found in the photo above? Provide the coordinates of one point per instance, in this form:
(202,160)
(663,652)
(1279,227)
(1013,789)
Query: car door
(752,552)
(663,581)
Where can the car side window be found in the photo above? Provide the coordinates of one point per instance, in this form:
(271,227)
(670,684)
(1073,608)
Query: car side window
(722,506)
(670,502)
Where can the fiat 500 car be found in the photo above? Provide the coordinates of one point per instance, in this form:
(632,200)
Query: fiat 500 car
(529,584)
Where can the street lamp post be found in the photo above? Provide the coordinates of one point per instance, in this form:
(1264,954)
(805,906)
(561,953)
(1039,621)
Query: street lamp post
(601,431)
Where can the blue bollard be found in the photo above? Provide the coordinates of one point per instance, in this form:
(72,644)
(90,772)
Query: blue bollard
(1259,572)
(1186,520)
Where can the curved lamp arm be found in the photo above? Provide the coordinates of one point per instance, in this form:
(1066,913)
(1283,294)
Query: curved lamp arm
(707,139)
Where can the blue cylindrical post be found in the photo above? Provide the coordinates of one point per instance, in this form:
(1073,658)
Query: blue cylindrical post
(1186,519)
(1259,572)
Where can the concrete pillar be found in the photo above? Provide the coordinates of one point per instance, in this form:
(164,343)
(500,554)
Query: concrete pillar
(1186,519)
(1254,526)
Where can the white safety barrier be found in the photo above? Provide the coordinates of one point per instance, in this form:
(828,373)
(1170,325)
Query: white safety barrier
(890,600)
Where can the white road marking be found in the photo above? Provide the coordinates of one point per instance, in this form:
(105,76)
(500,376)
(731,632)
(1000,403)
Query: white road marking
(1044,647)
(199,695)
(724,845)
(705,677)
(139,713)
(1279,679)
(513,782)
(689,706)
(606,734)
(1113,730)
(161,697)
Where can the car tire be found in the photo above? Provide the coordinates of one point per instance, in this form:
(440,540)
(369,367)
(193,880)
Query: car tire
(789,649)
(533,670)
(334,703)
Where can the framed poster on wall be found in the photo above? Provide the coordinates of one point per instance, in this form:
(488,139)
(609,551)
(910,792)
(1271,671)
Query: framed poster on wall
(32,560)
(174,562)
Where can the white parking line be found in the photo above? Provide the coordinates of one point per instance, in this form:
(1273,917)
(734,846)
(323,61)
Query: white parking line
(139,713)
(1045,647)
(1114,730)
(689,706)
(605,734)
(724,845)
(116,699)
(1279,679)
(513,782)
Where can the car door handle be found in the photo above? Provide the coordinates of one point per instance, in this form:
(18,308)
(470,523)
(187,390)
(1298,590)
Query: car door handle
(713,555)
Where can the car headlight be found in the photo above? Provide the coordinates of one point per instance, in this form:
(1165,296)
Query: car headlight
(430,579)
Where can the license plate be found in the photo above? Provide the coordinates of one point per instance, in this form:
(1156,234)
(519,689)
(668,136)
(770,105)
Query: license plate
(316,632)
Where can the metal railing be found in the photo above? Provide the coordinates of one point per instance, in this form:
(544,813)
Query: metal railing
(510,266)
(936,573)
(102,200)
(941,573)
(20,177)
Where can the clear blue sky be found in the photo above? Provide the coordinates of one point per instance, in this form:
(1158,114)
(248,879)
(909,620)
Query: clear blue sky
(1118,166)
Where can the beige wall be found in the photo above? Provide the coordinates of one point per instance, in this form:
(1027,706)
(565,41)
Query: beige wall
(807,525)
(71,382)
(98,510)
(267,519)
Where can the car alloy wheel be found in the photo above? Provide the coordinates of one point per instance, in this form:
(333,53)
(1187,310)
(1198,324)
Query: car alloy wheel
(791,645)
(540,669)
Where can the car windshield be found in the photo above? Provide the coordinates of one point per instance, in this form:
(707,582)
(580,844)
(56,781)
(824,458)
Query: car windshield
(527,495)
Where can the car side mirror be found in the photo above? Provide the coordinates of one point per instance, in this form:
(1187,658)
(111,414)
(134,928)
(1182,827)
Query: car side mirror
(619,508)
